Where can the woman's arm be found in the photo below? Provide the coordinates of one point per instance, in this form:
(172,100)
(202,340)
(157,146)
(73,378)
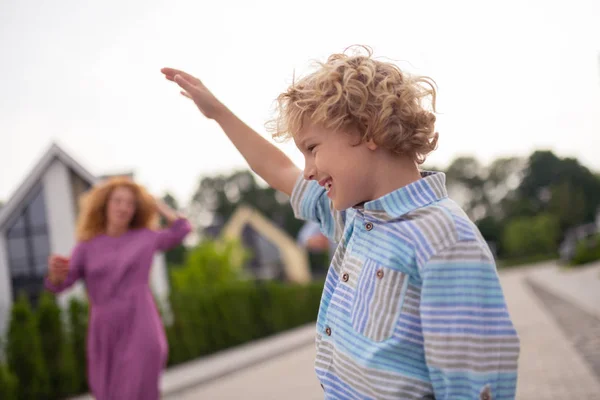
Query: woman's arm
(63,272)
(167,212)
(179,227)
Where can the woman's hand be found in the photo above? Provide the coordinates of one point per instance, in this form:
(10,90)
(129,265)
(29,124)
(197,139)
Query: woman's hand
(58,268)
(167,212)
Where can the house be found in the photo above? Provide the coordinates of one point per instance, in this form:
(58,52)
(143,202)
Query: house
(275,255)
(40,219)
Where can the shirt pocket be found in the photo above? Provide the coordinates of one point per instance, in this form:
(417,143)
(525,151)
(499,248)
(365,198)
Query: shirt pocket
(380,292)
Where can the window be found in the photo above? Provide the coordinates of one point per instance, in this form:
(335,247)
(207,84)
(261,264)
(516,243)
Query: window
(265,260)
(29,247)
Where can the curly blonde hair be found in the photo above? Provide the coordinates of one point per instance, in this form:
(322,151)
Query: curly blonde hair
(92,217)
(381,102)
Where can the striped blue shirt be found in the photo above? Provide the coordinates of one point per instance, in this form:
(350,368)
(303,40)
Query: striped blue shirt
(412,306)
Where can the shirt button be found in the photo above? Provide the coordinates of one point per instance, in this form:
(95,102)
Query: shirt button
(328,331)
(345,277)
(368,226)
(380,273)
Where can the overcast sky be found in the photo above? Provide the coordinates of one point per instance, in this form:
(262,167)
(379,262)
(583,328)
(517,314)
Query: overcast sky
(513,76)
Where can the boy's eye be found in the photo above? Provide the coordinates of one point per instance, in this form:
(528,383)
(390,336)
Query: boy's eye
(311,148)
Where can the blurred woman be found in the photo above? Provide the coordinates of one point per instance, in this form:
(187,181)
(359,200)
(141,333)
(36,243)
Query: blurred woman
(117,237)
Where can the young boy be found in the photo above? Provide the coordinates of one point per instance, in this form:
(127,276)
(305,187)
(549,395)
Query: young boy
(412,306)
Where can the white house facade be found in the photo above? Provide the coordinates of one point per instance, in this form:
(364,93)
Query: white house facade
(39,219)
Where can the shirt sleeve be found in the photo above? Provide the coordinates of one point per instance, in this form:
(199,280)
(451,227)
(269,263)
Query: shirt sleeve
(310,203)
(471,345)
(76,270)
(173,235)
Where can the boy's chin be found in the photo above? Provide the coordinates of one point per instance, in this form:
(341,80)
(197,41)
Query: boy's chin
(340,206)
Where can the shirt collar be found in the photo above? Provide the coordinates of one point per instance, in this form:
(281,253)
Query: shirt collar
(428,190)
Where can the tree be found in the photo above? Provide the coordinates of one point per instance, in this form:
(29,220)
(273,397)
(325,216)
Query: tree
(175,256)
(559,186)
(465,179)
(504,175)
(8,384)
(211,263)
(480,189)
(568,203)
(531,236)
(491,229)
(78,323)
(24,352)
(217,198)
(57,356)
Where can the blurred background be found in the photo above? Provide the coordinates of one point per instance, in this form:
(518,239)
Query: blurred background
(82,98)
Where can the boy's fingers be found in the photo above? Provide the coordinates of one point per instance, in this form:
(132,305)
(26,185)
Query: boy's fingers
(170,73)
(184,83)
(186,94)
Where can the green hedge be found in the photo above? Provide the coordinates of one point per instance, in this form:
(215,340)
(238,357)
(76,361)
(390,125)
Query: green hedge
(213,319)
(56,348)
(8,384)
(47,357)
(24,353)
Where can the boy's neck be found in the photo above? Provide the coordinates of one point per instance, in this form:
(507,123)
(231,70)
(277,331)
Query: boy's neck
(394,173)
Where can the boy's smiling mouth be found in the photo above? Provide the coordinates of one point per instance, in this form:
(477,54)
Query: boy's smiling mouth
(326,183)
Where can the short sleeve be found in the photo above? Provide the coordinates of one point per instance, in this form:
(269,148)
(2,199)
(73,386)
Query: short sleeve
(310,203)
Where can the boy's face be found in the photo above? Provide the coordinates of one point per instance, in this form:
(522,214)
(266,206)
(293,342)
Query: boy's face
(333,159)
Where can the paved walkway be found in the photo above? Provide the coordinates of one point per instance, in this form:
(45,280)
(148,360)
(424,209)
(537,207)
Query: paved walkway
(581,286)
(550,368)
(290,377)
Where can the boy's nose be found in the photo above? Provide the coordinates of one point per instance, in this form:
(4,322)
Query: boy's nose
(309,175)
(309,170)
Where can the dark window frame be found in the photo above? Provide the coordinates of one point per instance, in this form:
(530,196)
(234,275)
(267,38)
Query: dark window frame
(28,279)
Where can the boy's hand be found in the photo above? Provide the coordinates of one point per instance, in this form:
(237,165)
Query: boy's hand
(263,157)
(194,89)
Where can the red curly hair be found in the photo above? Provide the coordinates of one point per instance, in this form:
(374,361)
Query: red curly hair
(92,217)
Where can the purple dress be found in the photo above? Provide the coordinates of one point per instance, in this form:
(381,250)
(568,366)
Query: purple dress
(126,342)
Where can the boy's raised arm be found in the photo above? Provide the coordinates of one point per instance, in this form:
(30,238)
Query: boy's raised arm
(262,156)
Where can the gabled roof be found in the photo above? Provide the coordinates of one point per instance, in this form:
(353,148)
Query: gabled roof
(295,259)
(36,174)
